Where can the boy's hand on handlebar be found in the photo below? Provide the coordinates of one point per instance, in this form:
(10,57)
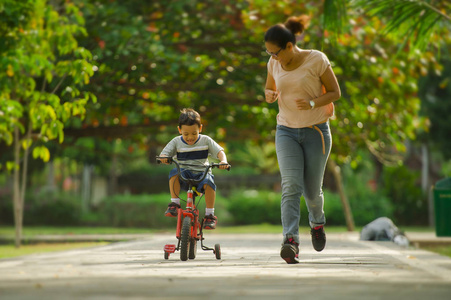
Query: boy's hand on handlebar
(224,165)
(166,161)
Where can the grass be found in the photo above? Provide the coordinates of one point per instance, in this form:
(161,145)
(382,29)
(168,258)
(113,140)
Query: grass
(8,231)
(442,249)
(8,251)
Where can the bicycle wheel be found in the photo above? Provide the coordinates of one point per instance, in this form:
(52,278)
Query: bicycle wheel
(185,238)
(192,249)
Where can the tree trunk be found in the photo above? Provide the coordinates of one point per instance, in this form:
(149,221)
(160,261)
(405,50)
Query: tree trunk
(51,186)
(86,187)
(425,185)
(335,169)
(112,182)
(17,203)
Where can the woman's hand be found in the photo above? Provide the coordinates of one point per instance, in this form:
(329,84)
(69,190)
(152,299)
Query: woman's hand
(270,95)
(303,104)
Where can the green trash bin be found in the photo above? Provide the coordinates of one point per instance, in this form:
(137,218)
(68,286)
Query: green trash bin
(442,206)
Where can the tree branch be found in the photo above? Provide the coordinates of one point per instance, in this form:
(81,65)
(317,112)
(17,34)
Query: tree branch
(59,83)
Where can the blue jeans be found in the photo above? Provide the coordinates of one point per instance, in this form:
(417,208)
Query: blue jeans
(302,154)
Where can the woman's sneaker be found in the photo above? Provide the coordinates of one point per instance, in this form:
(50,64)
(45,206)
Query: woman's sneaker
(290,251)
(210,222)
(318,238)
(172,210)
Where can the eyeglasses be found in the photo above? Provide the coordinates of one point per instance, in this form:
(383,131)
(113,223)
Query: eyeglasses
(274,54)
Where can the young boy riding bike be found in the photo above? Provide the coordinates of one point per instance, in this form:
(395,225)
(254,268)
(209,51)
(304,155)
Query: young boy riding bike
(193,148)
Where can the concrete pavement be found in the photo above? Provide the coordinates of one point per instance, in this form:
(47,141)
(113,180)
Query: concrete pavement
(250,268)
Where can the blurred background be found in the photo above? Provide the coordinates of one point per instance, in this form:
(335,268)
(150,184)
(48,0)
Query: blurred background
(91,92)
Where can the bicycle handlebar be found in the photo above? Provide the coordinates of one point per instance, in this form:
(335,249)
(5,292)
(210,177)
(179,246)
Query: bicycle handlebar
(190,180)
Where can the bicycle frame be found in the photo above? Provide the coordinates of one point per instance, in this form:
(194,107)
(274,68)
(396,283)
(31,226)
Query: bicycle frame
(190,211)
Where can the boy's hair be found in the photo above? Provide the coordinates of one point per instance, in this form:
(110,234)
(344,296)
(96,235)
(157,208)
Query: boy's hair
(189,116)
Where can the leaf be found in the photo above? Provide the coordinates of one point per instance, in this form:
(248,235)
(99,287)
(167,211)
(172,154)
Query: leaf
(45,154)
(26,143)
(37,152)
(10,165)
(41,152)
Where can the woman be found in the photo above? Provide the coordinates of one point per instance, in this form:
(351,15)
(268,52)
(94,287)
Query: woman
(305,86)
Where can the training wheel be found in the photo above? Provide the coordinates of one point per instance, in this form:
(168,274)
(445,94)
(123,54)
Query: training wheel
(217,251)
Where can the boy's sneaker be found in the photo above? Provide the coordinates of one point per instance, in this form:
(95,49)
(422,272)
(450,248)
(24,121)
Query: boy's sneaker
(172,210)
(210,222)
(290,251)
(318,238)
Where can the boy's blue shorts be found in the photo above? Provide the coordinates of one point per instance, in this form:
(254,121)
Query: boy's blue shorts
(209,179)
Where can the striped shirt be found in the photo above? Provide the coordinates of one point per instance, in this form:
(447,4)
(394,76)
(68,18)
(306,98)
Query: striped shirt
(196,154)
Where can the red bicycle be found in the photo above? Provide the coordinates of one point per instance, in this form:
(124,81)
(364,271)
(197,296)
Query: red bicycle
(189,228)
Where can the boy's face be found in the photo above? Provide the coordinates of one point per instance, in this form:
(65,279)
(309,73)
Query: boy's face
(190,133)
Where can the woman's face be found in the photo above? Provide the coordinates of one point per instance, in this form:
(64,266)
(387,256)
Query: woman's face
(276,52)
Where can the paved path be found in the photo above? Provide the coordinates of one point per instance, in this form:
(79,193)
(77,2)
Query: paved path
(250,268)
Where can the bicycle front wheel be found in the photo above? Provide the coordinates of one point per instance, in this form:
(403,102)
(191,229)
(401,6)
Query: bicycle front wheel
(185,238)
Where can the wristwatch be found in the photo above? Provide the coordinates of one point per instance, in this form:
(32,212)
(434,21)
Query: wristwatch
(312,104)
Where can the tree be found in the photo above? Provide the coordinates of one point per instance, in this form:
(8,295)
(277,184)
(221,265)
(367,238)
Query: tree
(413,22)
(40,89)
(155,58)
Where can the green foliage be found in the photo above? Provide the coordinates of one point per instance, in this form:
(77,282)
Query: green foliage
(14,15)
(367,203)
(413,21)
(44,69)
(142,211)
(435,92)
(261,157)
(52,208)
(263,206)
(212,59)
(379,107)
(6,210)
(254,207)
(44,208)
(401,185)
(134,211)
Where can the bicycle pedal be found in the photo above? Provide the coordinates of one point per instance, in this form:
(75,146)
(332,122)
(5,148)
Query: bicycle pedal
(169,248)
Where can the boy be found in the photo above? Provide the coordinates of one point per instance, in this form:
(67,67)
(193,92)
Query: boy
(193,148)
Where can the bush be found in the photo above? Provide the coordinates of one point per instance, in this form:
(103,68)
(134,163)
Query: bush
(366,204)
(333,209)
(52,208)
(135,211)
(6,210)
(400,184)
(144,210)
(254,207)
(263,206)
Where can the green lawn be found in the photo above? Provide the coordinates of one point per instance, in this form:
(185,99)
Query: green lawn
(442,249)
(8,231)
(7,251)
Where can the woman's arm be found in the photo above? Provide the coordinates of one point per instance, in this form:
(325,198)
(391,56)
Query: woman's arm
(270,89)
(332,94)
